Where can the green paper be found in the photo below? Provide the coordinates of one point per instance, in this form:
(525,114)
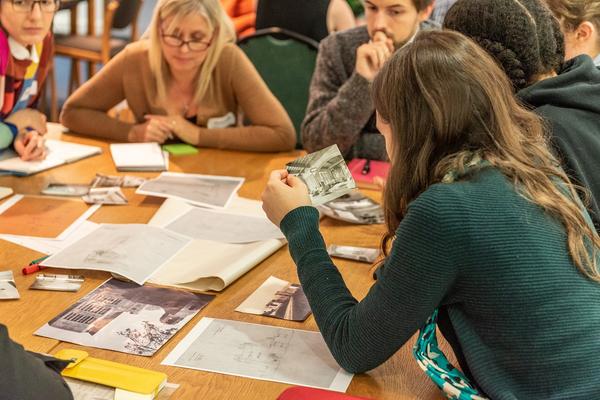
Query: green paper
(180,149)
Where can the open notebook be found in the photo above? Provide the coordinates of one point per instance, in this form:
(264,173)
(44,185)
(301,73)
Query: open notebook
(59,153)
(209,265)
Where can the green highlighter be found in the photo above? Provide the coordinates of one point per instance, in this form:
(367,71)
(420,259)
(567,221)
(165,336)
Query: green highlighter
(180,149)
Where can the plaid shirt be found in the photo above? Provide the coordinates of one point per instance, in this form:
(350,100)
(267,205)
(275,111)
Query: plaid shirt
(440,9)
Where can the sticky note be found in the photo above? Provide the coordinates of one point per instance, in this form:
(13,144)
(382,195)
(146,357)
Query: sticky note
(180,149)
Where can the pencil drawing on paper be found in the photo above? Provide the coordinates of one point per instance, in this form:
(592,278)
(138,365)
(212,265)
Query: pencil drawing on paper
(261,352)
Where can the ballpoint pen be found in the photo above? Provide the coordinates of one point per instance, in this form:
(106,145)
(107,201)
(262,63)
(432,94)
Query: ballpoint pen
(367,167)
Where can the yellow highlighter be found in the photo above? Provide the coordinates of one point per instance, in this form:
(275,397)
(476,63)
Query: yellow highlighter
(109,373)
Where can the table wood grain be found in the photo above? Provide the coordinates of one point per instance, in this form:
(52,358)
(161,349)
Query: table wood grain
(398,378)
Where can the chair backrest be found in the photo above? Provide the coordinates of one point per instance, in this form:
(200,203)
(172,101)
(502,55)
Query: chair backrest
(126,15)
(285,60)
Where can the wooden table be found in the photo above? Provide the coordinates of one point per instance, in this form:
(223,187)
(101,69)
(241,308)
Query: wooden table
(399,378)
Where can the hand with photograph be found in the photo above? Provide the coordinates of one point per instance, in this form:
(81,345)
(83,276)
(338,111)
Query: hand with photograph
(284,192)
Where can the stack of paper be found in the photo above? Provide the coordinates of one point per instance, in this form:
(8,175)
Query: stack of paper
(139,157)
(59,153)
(210,264)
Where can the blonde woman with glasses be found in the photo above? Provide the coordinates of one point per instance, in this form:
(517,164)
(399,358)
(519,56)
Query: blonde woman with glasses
(189,82)
(25,55)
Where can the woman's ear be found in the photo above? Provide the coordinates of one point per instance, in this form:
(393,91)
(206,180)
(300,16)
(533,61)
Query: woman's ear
(585,31)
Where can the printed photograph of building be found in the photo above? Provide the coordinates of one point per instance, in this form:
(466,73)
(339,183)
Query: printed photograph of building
(325,173)
(155,315)
(289,303)
(354,207)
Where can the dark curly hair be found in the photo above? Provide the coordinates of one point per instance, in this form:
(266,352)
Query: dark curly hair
(522,35)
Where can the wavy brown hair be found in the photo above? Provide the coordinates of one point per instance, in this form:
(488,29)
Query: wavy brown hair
(573,13)
(445,98)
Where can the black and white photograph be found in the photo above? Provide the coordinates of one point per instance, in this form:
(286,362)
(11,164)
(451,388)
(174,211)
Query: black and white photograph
(363,254)
(325,173)
(290,303)
(102,180)
(57,282)
(8,288)
(105,195)
(134,251)
(277,298)
(126,317)
(66,189)
(354,207)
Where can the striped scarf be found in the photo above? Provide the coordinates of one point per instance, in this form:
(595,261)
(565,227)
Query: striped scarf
(21,80)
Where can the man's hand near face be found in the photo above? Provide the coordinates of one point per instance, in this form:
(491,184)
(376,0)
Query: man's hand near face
(371,56)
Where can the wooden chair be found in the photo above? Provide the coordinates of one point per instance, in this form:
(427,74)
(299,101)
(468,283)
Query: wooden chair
(94,49)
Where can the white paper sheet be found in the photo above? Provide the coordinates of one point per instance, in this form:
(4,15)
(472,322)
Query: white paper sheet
(205,264)
(134,251)
(260,352)
(10,202)
(224,227)
(138,157)
(5,192)
(51,246)
(202,190)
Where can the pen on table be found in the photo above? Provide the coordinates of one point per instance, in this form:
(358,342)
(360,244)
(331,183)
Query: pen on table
(367,167)
(28,129)
(34,266)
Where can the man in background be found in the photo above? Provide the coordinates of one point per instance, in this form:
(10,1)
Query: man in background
(340,110)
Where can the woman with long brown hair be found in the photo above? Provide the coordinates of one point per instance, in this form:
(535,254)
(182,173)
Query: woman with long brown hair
(485,234)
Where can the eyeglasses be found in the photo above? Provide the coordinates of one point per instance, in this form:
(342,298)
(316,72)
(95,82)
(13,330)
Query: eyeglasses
(26,6)
(192,44)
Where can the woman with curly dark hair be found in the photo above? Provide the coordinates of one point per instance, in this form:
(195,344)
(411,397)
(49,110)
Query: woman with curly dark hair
(526,41)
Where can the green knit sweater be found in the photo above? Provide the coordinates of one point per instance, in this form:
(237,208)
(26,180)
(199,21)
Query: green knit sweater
(526,321)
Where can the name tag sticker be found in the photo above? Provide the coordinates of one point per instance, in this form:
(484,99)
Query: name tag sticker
(225,121)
